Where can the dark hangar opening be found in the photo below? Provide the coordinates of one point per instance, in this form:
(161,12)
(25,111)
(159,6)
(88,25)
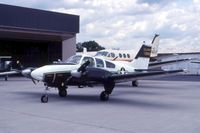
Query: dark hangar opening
(31,52)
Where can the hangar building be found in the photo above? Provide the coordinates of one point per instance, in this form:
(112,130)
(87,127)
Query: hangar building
(37,37)
(192,68)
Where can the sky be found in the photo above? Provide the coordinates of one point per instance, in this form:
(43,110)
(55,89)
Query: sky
(125,24)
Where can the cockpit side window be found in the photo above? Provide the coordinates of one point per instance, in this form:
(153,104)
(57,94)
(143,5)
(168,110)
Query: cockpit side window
(110,65)
(128,55)
(92,63)
(101,53)
(99,62)
(74,59)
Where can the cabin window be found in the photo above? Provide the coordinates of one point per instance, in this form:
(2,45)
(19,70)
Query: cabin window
(110,65)
(99,62)
(90,59)
(120,55)
(128,55)
(124,55)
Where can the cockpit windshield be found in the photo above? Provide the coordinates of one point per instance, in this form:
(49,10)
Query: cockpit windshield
(74,59)
(102,53)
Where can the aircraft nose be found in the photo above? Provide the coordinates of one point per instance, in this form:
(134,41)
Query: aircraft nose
(37,74)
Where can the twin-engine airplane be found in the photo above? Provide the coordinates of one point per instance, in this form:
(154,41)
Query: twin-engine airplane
(84,70)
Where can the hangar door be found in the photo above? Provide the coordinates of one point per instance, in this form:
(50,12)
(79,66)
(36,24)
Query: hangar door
(31,52)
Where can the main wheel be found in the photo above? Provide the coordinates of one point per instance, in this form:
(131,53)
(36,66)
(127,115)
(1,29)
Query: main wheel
(104,96)
(44,99)
(62,92)
(135,83)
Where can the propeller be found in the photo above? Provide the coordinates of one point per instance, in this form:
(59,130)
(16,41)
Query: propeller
(78,73)
(27,73)
(82,68)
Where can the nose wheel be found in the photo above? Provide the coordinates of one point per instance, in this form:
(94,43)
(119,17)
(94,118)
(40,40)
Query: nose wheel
(44,98)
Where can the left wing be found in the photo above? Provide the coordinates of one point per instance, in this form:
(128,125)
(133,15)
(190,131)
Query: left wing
(9,73)
(141,75)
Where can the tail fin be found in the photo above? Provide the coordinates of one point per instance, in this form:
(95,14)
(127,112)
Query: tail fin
(155,44)
(142,58)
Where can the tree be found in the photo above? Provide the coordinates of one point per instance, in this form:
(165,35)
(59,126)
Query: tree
(90,46)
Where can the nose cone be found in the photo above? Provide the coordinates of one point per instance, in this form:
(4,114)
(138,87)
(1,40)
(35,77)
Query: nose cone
(37,74)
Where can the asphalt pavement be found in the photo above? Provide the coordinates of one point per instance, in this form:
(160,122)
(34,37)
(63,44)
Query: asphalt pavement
(156,106)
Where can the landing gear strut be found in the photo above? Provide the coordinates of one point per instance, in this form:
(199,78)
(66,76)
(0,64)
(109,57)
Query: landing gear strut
(44,98)
(108,86)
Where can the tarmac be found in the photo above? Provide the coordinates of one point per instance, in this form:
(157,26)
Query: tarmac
(155,106)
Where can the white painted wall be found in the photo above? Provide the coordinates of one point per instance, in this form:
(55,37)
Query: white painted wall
(68,48)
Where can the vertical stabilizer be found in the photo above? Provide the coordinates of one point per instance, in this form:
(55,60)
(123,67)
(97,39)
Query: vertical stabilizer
(155,44)
(142,58)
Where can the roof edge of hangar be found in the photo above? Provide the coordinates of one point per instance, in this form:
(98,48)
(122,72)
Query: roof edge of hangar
(29,18)
(35,34)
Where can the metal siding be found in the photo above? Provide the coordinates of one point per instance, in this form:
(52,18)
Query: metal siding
(192,68)
(38,19)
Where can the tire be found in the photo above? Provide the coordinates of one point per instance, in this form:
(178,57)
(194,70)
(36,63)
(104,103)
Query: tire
(135,83)
(62,92)
(44,99)
(104,96)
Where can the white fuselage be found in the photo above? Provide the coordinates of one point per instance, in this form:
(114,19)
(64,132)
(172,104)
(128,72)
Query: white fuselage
(113,66)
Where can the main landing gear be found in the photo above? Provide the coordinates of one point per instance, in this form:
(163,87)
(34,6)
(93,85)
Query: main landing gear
(108,86)
(62,92)
(135,83)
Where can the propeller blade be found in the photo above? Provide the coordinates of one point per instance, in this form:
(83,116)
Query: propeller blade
(33,81)
(82,68)
(78,73)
